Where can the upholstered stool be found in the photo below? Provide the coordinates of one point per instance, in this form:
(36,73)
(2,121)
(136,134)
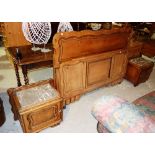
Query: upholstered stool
(138,70)
(115,114)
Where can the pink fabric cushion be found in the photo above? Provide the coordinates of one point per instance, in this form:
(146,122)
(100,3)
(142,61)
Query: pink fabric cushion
(118,115)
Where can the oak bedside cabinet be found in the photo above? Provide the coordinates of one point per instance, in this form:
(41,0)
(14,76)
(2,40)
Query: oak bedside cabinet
(37,106)
(138,70)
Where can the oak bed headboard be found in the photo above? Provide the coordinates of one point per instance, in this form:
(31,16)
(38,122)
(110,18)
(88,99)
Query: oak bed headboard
(75,44)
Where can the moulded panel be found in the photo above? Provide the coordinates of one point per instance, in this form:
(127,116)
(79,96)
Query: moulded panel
(73,77)
(42,118)
(119,62)
(98,71)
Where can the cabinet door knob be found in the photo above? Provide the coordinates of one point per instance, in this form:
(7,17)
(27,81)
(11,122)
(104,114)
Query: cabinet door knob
(120,51)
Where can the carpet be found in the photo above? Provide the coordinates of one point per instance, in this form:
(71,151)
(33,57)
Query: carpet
(77,116)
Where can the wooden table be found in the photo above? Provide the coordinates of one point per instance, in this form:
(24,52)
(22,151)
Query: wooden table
(29,60)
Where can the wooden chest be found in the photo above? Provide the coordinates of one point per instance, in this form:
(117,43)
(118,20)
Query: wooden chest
(37,106)
(138,70)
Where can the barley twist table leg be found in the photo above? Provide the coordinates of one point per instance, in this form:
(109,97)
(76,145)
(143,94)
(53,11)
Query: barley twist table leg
(24,71)
(17,73)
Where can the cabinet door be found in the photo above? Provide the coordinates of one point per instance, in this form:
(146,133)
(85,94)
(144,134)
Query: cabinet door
(98,71)
(36,120)
(73,77)
(119,62)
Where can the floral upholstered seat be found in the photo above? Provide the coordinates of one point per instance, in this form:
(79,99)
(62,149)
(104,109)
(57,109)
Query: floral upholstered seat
(118,115)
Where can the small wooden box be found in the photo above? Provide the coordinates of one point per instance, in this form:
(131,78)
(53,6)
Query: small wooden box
(37,106)
(138,70)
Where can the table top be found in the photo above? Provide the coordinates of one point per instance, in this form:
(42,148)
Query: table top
(28,56)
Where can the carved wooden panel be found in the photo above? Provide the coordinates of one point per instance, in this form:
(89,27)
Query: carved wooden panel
(74,44)
(42,118)
(73,77)
(98,71)
(119,63)
(76,47)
